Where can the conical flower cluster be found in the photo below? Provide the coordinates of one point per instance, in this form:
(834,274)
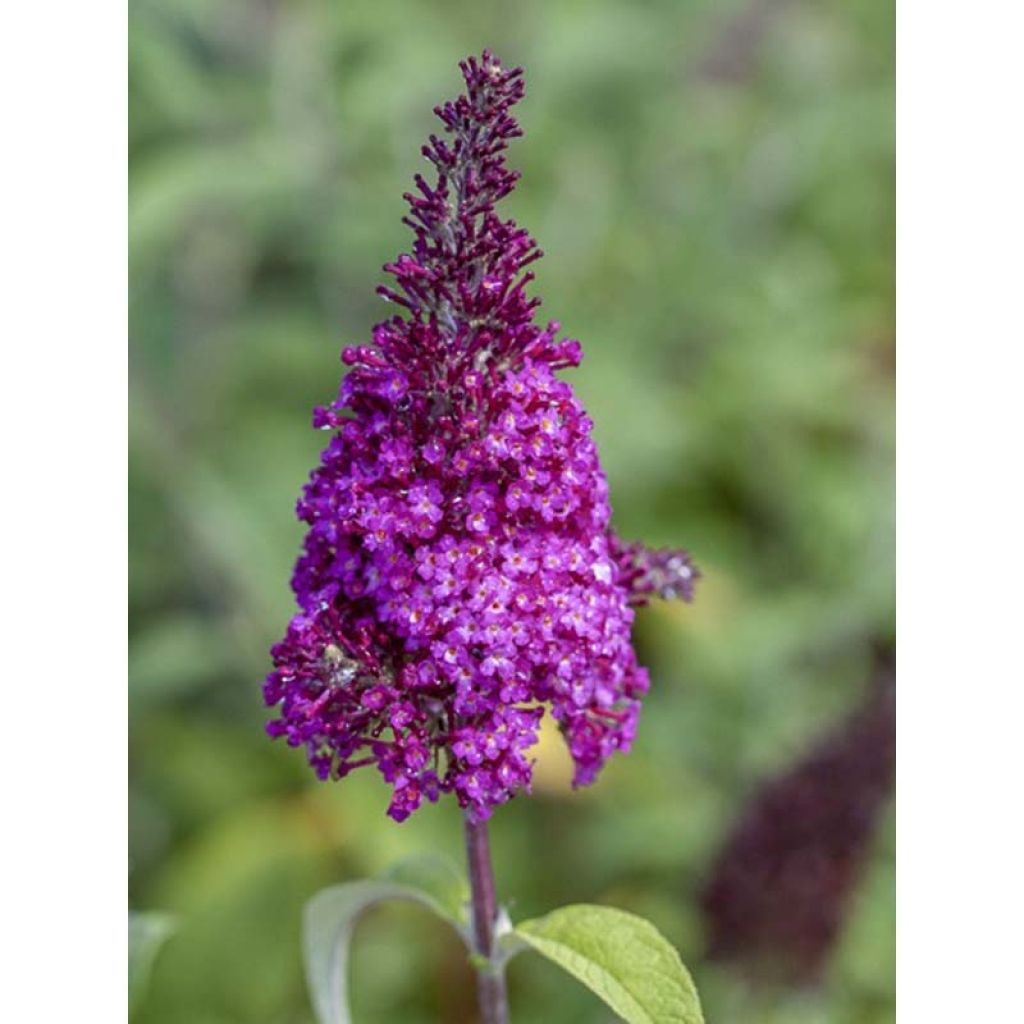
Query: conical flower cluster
(459,575)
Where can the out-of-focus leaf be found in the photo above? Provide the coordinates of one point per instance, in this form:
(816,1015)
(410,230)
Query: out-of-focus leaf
(331,916)
(438,879)
(146,934)
(620,957)
(177,655)
(249,179)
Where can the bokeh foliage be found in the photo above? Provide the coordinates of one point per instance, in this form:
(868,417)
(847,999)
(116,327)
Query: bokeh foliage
(712,183)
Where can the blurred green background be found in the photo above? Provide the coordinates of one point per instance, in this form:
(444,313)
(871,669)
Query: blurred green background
(712,183)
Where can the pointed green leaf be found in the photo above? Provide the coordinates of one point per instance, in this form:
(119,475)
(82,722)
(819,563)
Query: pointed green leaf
(331,916)
(622,958)
(146,934)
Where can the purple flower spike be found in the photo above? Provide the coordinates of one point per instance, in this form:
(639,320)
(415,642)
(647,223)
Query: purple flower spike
(458,574)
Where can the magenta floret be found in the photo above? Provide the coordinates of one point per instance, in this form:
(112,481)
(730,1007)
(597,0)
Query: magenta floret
(459,574)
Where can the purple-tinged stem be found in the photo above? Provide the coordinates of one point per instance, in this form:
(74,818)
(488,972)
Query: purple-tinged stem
(491,995)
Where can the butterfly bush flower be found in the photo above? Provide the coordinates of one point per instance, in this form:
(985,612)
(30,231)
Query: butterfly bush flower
(459,575)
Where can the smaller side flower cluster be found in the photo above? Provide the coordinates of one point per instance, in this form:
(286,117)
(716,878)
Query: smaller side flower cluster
(668,573)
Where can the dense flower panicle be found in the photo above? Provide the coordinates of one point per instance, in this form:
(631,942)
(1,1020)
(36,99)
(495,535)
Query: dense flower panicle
(458,574)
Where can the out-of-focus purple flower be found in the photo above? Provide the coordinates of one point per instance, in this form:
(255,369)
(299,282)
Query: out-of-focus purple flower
(458,574)
(780,888)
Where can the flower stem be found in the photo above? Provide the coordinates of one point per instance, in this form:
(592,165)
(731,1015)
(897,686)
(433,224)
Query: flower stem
(491,994)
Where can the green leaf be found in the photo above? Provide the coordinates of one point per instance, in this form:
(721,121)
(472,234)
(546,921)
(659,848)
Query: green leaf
(437,879)
(146,934)
(622,958)
(331,916)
